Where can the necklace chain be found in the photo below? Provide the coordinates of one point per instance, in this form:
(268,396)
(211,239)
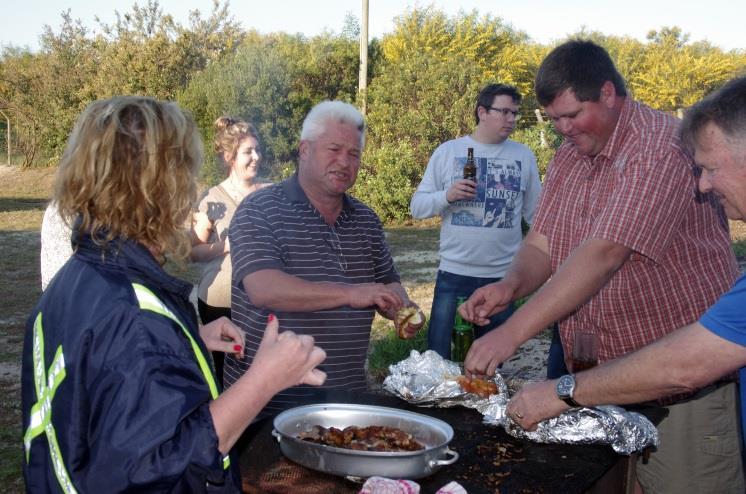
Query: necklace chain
(236,192)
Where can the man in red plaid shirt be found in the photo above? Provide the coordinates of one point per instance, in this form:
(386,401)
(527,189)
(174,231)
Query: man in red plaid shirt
(624,248)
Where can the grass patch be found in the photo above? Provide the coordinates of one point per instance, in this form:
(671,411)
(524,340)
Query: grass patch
(32,183)
(11,446)
(22,203)
(402,239)
(390,349)
(21,287)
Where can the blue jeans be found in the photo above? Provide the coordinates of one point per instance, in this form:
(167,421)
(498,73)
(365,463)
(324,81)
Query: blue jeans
(448,287)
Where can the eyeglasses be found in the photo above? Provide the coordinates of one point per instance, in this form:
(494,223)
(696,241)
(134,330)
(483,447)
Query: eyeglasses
(506,111)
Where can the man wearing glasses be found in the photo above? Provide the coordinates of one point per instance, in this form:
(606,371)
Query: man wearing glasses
(481,219)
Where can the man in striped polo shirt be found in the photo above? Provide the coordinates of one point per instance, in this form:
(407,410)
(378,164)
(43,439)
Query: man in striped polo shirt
(314,256)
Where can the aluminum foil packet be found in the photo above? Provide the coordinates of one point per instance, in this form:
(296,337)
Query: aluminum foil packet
(626,432)
(428,379)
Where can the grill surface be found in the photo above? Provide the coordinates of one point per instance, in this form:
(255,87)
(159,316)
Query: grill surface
(490,459)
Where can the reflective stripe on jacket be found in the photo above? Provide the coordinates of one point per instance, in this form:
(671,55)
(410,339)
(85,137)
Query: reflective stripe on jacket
(148,301)
(46,384)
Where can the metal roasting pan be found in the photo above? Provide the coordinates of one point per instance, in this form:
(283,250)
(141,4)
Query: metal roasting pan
(434,434)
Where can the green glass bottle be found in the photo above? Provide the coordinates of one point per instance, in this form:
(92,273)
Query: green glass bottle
(463,335)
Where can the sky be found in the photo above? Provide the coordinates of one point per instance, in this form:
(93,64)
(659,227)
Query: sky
(718,21)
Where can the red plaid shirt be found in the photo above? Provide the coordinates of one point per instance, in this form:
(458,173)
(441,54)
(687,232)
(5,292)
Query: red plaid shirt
(639,191)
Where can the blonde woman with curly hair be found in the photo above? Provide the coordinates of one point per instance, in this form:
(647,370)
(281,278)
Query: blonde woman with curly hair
(236,145)
(118,390)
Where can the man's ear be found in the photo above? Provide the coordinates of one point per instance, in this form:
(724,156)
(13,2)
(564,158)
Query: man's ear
(608,94)
(481,112)
(303,149)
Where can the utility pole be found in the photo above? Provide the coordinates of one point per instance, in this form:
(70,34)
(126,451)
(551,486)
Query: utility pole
(362,85)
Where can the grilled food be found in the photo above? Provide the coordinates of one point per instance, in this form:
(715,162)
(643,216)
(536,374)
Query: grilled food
(481,387)
(408,317)
(371,438)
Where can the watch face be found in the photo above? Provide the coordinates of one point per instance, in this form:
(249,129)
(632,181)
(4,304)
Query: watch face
(566,386)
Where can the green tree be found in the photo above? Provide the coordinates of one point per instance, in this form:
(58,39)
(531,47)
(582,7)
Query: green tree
(57,81)
(253,84)
(675,74)
(413,107)
(669,72)
(385,181)
(147,52)
(423,102)
(543,140)
(20,82)
(143,52)
(487,41)
(423,94)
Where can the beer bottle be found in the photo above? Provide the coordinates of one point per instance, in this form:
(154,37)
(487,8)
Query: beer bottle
(463,335)
(470,168)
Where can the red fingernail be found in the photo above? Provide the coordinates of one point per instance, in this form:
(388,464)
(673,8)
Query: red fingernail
(236,348)
(271,318)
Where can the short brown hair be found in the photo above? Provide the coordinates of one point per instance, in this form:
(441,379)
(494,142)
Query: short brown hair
(579,65)
(129,170)
(487,95)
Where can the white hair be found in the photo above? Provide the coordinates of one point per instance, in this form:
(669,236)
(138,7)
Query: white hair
(331,111)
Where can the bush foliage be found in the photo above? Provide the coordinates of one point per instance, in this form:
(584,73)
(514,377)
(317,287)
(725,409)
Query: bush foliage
(423,78)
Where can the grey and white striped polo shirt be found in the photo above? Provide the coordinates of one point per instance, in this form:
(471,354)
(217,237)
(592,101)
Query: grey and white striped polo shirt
(278,228)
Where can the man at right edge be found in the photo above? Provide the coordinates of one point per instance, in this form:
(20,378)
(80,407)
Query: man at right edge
(625,248)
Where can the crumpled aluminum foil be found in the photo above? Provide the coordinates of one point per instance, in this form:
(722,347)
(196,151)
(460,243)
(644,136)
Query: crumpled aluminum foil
(626,432)
(428,379)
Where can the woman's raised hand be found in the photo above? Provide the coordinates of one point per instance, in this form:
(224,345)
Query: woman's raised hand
(287,359)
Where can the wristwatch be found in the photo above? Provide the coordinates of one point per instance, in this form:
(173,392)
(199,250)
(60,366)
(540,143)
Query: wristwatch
(565,390)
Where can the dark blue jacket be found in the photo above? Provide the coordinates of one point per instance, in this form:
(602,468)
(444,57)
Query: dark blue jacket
(130,411)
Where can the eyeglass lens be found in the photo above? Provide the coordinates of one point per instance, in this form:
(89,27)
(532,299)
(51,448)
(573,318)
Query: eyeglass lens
(507,111)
